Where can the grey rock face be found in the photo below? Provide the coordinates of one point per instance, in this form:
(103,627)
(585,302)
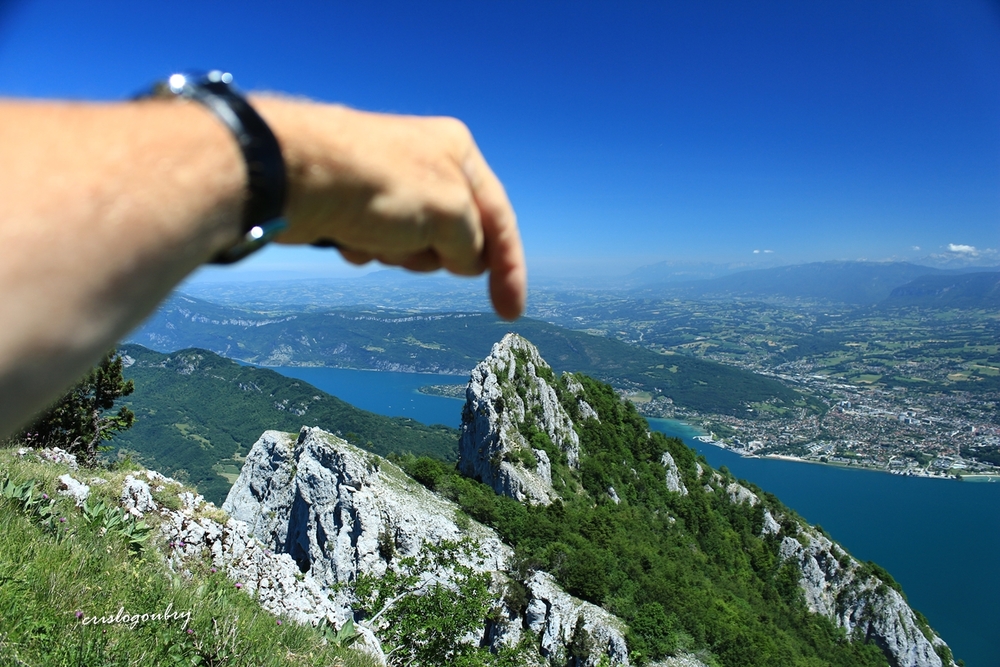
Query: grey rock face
(771,526)
(78,491)
(336,512)
(336,509)
(837,586)
(510,388)
(51,454)
(136,497)
(273,578)
(553,615)
(574,387)
(674,482)
(741,494)
(679,661)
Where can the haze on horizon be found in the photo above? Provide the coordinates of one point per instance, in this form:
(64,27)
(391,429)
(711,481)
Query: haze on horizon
(712,132)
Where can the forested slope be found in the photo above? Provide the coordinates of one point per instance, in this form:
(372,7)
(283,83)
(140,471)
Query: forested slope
(197,413)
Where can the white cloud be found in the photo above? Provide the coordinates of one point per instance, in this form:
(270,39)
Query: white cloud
(916,247)
(964,249)
(768,252)
(958,255)
(756,252)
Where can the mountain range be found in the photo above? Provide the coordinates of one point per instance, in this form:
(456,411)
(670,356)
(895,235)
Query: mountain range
(970,290)
(848,282)
(447,343)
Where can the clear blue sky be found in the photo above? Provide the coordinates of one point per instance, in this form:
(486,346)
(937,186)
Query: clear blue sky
(626,133)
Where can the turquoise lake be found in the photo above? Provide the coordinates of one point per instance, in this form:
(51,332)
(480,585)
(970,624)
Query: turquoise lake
(939,538)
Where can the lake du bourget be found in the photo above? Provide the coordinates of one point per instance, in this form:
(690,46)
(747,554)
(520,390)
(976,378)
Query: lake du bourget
(940,539)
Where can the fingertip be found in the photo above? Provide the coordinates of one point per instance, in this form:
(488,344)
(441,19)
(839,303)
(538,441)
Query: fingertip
(509,293)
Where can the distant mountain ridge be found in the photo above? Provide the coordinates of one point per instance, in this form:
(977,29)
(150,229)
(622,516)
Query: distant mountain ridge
(677,271)
(447,343)
(850,282)
(971,290)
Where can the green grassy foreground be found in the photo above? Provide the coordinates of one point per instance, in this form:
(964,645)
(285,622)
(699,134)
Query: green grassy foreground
(57,572)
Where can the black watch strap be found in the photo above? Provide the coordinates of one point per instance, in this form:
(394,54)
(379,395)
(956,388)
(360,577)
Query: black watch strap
(266,178)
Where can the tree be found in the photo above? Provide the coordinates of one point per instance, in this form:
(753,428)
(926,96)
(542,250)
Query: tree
(81,420)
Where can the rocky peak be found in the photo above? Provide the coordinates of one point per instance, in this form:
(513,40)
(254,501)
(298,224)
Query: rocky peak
(513,421)
(338,510)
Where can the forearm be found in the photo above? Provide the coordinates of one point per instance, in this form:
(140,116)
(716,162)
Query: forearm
(103,209)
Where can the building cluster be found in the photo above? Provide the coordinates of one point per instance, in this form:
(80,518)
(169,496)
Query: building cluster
(895,430)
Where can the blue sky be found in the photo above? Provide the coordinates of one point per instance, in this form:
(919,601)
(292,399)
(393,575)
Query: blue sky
(626,133)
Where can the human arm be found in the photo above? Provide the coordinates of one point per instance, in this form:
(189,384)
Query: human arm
(105,208)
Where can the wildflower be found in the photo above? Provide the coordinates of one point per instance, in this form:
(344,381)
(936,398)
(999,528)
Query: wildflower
(279,621)
(239,585)
(214,570)
(62,519)
(45,496)
(190,631)
(79,614)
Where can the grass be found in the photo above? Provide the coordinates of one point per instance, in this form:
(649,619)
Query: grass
(53,577)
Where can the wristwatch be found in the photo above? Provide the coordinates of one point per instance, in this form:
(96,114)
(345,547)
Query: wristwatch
(266,180)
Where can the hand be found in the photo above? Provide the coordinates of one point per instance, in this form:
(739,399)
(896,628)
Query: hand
(406,191)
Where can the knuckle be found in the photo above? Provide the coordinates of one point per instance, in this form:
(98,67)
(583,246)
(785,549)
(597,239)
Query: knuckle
(455,129)
(453,204)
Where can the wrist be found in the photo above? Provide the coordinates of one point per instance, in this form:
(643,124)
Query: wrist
(266,183)
(315,144)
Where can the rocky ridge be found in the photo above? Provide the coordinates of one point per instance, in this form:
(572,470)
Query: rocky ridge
(514,387)
(841,588)
(511,393)
(341,513)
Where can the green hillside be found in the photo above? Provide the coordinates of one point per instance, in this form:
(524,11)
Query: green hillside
(688,573)
(67,569)
(449,342)
(198,413)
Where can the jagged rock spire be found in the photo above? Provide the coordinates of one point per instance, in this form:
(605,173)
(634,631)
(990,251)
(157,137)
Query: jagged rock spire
(512,393)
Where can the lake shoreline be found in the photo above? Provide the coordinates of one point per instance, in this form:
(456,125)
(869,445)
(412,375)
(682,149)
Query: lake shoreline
(708,440)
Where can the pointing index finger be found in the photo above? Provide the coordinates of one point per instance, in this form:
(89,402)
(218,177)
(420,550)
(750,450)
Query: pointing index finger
(503,252)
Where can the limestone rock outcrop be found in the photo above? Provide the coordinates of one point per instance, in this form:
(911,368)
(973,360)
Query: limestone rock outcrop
(837,586)
(674,482)
(75,489)
(741,494)
(136,496)
(510,393)
(338,512)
